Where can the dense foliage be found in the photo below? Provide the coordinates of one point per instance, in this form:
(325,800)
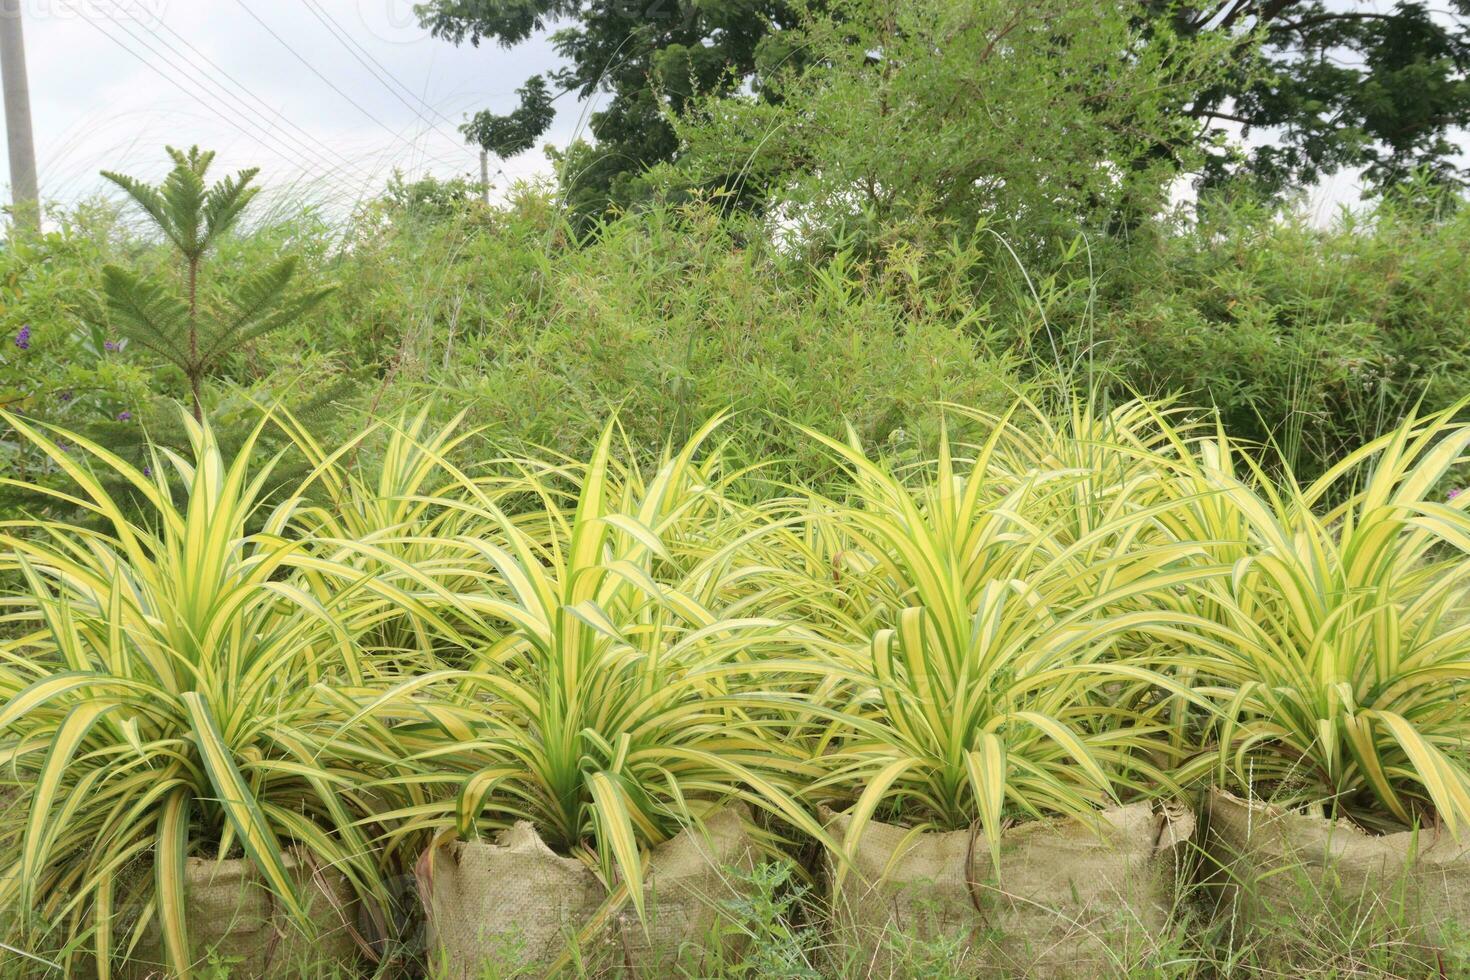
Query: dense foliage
(649,55)
(1338,85)
(930,109)
(1118,607)
(1314,338)
(1332,86)
(421,617)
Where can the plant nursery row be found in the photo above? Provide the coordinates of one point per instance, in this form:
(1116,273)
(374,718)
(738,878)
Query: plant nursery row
(404,705)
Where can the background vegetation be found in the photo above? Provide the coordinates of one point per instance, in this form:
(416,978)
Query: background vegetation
(1311,338)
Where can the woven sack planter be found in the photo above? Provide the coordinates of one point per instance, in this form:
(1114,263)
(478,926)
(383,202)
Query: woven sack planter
(1268,861)
(1070,900)
(233,916)
(515,903)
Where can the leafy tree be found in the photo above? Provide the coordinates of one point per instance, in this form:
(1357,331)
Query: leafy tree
(515,132)
(1033,118)
(187,323)
(1345,84)
(1339,83)
(649,54)
(425,197)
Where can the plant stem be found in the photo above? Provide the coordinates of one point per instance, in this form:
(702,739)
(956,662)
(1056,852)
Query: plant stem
(195,369)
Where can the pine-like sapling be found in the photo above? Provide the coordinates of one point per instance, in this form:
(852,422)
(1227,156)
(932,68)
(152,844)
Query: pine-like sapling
(184,323)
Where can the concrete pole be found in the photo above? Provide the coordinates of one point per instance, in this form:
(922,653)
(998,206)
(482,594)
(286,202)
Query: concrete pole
(485,176)
(24,188)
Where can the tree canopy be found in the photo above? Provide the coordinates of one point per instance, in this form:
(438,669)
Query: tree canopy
(1337,85)
(647,55)
(1043,118)
(1341,84)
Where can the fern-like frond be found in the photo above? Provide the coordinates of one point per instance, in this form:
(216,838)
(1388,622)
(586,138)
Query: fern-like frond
(147,313)
(225,202)
(290,311)
(147,197)
(184,193)
(259,305)
(193,158)
(252,300)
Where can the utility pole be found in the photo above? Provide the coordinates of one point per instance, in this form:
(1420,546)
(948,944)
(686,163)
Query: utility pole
(485,176)
(24,188)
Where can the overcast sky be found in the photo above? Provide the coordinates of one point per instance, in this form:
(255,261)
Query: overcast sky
(112,81)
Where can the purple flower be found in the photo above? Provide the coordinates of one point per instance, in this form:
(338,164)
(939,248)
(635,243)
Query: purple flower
(147,471)
(66,397)
(1454,493)
(112,345)
(124,416)
(23,339)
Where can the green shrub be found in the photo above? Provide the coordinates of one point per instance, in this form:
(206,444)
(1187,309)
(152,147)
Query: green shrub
(666,317)
(58,361)
(1317,339)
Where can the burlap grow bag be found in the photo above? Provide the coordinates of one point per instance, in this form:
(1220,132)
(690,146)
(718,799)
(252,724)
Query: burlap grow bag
(1271,862)
(233,917)
(515,903)
(1070,900)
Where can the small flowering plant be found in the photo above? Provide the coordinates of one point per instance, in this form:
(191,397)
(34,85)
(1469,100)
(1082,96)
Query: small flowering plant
(1456,488)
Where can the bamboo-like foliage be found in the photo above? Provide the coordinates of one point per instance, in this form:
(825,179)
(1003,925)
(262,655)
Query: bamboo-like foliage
(1338,644)
(173,694)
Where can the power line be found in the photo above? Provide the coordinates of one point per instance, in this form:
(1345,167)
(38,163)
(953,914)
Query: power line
(345,38)
(311,148)
(333,86)
(313,140)
(291,147)
(383,74)
(264,134)
(70,176)
(386,77)
(308,167)
(173,81)
(340,35)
